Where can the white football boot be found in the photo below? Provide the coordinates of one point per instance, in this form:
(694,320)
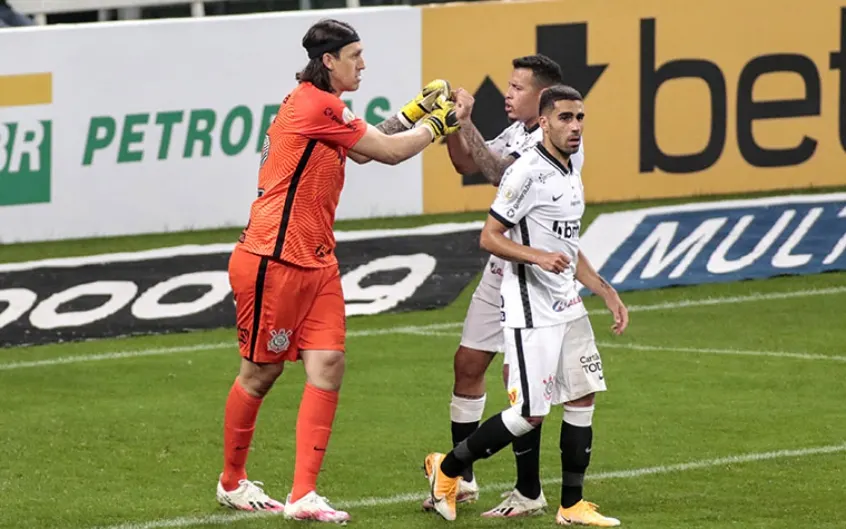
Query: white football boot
(314,507)
(515,504)
(249,496)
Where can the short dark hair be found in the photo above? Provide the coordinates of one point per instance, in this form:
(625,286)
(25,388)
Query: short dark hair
(559,92)
(545,71)
(320,35)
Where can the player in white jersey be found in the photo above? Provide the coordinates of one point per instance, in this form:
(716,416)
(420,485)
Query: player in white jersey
(534,224)
(482,335)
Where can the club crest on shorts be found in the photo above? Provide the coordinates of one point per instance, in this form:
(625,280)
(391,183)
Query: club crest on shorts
(548,384)
(279,341)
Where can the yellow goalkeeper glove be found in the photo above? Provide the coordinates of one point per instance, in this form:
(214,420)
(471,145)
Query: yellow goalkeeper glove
(424,103)
(442,120)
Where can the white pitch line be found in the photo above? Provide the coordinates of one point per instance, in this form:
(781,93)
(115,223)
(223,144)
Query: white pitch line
(117,355)
(704,302)
(223,519)
(416,329)
(732,352)
(670,349)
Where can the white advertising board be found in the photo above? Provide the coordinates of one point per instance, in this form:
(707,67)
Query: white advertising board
(155,126)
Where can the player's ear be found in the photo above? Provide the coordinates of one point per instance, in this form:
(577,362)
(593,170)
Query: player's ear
(327,61)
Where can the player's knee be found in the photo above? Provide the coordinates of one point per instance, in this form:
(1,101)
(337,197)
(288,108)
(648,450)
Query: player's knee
(517,424)
(325,369)
(535,421)
(334,364)
(587,400)
(258,379)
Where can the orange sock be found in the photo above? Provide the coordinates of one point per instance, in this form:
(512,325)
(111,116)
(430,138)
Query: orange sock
(239,423)
(314,426)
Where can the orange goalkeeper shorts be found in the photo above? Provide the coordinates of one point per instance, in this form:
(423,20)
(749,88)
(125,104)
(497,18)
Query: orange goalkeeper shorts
(283,309)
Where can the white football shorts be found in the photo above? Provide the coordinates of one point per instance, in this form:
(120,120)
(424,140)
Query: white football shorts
(552,365)
(482,328)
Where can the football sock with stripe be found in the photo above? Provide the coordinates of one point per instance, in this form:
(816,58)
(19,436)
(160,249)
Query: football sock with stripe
(465,414)
(575,443)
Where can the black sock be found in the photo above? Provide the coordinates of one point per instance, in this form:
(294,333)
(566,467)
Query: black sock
(527,454)
(491,437)
(575,446)
(460,432)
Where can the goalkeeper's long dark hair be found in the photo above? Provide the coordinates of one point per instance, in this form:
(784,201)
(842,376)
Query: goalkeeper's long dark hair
(319,35)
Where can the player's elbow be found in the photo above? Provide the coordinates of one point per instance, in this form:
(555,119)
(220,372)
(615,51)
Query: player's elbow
(360,159)
(486,241)
(392,158)
(463,168)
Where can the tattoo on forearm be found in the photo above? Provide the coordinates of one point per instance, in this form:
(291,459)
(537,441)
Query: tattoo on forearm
(390,126)
(491,165)
(603,283)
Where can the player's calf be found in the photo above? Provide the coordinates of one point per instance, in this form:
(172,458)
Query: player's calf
(575,443)
(468,401)
(315,418)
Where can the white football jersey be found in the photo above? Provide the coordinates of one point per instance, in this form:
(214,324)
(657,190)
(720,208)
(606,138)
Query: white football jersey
(542,203)
(512,142)
(515,139)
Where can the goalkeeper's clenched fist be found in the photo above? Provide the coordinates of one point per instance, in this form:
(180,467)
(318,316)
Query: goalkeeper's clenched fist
(424,103)
(442,120)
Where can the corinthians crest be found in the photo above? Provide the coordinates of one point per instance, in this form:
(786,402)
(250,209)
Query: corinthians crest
(548,386)
(279,341)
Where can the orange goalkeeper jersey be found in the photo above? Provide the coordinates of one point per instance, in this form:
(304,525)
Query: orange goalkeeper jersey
(301,178)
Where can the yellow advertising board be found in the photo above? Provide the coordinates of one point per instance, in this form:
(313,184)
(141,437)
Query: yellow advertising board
(682,97)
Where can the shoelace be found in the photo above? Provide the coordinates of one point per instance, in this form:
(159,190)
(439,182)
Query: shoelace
(324,500)
(511,501)
(590,506)
(256,485)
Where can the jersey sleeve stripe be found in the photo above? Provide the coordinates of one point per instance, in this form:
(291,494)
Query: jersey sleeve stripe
(524,377)
(521,277)
(259,295)
(501,219)
(289,198)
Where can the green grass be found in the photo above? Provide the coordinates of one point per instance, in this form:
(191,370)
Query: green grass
(136,440)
